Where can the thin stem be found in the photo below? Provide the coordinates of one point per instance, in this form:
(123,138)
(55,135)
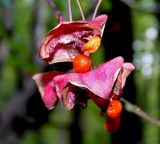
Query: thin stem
(96,9)
(137,110)
(56,11)
(81,11)
(70,10)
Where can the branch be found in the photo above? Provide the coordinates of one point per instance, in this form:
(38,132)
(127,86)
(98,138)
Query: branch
(56,11)
(137,110)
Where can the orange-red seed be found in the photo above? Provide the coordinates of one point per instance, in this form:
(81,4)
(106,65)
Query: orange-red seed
(81,63)
(114,109)
(92,45)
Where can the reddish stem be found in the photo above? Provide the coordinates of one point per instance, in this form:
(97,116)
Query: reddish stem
(56,11)
(81,11)
(96,9)
(70,10)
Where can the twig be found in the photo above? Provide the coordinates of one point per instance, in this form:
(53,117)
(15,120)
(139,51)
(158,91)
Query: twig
(96,9)
(56,11)
(137,110)
(80,7)
(70,10)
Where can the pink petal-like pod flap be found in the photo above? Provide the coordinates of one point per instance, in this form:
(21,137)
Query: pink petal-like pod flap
(65,91)
(65,41)
(99,81)
(127,69)
(47,88)
(99,21)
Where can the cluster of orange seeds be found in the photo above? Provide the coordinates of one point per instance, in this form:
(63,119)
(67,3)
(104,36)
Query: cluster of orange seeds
(113,115)
(82,62)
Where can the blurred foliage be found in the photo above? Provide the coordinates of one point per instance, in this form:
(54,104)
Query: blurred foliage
(16,37)
(146,58)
